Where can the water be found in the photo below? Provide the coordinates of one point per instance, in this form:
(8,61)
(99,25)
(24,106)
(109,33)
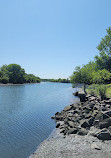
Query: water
(25,115)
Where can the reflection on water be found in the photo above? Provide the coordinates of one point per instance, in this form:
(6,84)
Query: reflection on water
(25,115)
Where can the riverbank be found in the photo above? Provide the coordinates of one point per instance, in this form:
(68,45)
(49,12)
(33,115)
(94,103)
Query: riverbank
(12,84)
(84,131)
(73,146)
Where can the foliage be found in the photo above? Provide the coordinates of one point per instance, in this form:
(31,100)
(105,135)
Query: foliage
(56,80)
(105,44)
(101,76)
(92,89)
(16,73)
(4,80)
(108,91)
(30,78)
(104,60)
(102,91)
(98,71)
(98,90)
(84,74)
(13,73)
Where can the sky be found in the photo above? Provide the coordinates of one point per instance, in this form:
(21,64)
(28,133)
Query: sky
(49,38)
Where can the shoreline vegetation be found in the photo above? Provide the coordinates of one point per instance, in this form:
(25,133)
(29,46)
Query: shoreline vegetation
(99,70)
(56,80)
(13,74)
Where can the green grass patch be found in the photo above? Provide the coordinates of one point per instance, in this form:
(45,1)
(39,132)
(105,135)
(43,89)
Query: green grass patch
(99,90)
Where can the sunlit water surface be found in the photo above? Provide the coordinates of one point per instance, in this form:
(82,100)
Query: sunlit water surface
(25,115)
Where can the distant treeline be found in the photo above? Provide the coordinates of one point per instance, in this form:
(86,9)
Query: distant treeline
(13,73)
(99,70)
(56,80)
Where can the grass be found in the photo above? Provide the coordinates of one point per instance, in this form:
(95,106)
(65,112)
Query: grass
(103,90)
(108,92)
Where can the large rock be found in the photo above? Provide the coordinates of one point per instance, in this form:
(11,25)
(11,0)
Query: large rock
(91,120)
(109,128)
(107,114)
(75,94)
(108,106)
(82,132)
(92,98)
(57,126)
(71,124)
(104,135)
(82,96)
(96,123)
(105,124)
(108,101)
(67,108)
(84,123)
(72,131)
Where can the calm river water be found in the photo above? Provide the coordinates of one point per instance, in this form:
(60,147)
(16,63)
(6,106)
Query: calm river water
(25,115)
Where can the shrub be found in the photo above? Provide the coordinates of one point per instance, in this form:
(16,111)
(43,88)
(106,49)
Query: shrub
(102,91)
(91,92)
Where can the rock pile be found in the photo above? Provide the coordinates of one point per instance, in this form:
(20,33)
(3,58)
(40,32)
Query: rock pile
(80,117)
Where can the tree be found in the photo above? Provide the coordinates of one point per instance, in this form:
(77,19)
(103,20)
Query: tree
(4,80)
(101,76)
(16,73)
(105,44)
(30,78)
(76,76)
(84,74)
(104,60)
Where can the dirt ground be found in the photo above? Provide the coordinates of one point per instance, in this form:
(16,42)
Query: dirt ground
(73,146)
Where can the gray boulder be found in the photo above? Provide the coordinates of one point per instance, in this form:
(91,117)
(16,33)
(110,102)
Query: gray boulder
(108,101)
(105,124)
(107,114)
(84,123)
(72,131)
(67,108)
(57,126)
(71,124)
(104,135)
(82,96)
(82,132)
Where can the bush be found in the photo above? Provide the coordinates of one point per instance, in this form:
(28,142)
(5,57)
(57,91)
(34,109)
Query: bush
(102,91)
(91,92)
(92,89)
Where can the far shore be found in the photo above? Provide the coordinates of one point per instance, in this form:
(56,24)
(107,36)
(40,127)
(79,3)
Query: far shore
(12,84)
(20,84)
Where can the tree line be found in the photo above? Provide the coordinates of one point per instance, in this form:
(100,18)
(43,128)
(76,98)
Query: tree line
(60,80)
(99,70)
(13,73)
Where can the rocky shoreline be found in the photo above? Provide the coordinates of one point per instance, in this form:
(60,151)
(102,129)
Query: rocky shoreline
(80,117)
(83,131)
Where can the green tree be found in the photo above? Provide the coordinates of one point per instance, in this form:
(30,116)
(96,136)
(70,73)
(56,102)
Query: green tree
(105,44)
(16,73)
(101,76)
(4,80)
(76,76)
(104,60)
(84,74)
(30,78)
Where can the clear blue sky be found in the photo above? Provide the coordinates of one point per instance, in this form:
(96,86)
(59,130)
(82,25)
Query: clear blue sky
(49,38)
